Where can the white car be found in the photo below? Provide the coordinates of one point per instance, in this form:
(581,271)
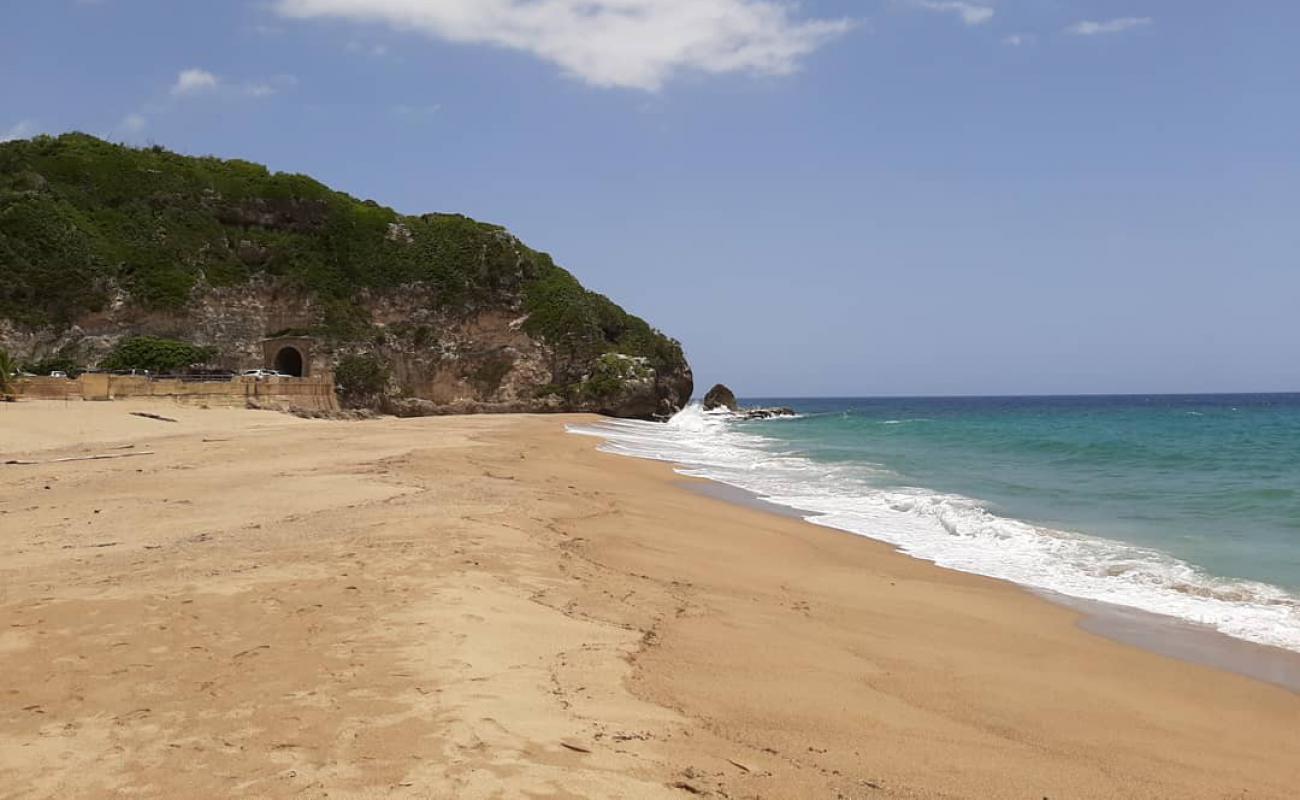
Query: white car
(263,374)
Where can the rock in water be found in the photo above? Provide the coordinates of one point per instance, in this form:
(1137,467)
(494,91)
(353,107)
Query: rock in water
(767,413)
(720,397)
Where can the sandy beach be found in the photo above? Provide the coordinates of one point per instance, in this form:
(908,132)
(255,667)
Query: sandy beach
(247,604)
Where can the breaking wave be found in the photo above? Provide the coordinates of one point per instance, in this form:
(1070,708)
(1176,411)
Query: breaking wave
(954,531)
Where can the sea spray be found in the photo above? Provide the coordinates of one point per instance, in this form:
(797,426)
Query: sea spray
(834,474)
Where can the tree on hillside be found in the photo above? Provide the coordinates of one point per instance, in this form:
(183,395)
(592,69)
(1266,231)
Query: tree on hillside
(156,355)
(7,369)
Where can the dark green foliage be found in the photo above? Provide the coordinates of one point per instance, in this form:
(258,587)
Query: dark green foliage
(423,337)
(81,218)
(361,378)
(61,363)
(7,370)
(51,265)
(610,375)
(487,376)
(156,355)
(581,325)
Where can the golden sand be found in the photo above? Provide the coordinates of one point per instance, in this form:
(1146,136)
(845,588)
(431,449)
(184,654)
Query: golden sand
(253,605)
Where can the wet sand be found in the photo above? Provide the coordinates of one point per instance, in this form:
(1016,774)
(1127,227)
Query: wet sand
(1154,632)
(263,606)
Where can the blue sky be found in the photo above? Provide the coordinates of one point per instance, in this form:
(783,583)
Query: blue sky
(833,197)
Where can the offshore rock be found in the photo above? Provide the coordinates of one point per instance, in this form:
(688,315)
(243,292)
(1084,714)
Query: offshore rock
(720,397)
(767,413)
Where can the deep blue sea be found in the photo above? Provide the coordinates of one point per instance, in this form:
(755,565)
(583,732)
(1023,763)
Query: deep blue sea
(1182,505)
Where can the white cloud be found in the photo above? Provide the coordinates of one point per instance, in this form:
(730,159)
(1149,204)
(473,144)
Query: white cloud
(638,44)
(1090,28)
(377,50)
(275,85)
(133,123)
(23,129)
(1019,39)
(194,81)
(970,13)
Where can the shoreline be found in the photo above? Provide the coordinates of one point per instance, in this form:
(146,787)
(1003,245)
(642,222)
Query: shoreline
(261,605)
(1160,634)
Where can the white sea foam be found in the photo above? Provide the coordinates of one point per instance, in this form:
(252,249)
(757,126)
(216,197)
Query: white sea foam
(958,532)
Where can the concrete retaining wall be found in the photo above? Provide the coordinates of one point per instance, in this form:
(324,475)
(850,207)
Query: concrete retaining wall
(316,392)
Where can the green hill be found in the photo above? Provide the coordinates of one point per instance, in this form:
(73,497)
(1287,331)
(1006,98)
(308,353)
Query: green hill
(121,240)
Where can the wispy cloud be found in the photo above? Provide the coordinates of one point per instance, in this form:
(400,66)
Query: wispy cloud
(275,85)
(970,13)
(1118,25)
(194,81)
(1019,39)
(23,129)
(377,50)
(637,44)
(199,81)
(133,123)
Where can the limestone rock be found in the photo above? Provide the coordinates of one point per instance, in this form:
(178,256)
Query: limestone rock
(720,397)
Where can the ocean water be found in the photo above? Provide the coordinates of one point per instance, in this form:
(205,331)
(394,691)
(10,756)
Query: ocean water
(1187,506)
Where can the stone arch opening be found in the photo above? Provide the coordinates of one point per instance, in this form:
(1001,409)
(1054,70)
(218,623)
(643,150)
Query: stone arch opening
(289,361)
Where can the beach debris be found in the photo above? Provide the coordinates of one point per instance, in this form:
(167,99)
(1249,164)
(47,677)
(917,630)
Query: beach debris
(687,787)
(158,417)
(577,748)
(738,765)
(100,457)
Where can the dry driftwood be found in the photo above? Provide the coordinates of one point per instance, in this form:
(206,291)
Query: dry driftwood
(18,462)
(158,417)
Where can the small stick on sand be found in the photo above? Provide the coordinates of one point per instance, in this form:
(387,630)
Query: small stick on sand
(158,417)
(19,462)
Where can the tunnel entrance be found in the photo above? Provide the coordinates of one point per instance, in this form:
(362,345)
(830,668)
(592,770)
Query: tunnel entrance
(289,361)
(291,355)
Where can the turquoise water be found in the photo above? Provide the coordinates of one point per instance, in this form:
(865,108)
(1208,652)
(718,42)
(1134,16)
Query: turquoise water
(1214,480)
(1182,505)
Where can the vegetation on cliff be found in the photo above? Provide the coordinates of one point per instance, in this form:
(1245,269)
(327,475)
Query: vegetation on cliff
(7,370)
(85,223)
(155,355)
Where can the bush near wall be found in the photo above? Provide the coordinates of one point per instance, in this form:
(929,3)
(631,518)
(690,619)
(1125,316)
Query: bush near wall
(156,355)
(361,378)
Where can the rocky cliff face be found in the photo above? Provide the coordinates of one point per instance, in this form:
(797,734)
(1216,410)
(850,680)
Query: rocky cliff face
(100,242)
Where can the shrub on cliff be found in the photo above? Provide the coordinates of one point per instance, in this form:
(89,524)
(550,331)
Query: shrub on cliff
(7,370)
(360,378)
(84,222)
(80,217)
(156,355)
(580,325)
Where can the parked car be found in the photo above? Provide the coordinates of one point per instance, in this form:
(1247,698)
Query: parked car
(58,373)
(263,374)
